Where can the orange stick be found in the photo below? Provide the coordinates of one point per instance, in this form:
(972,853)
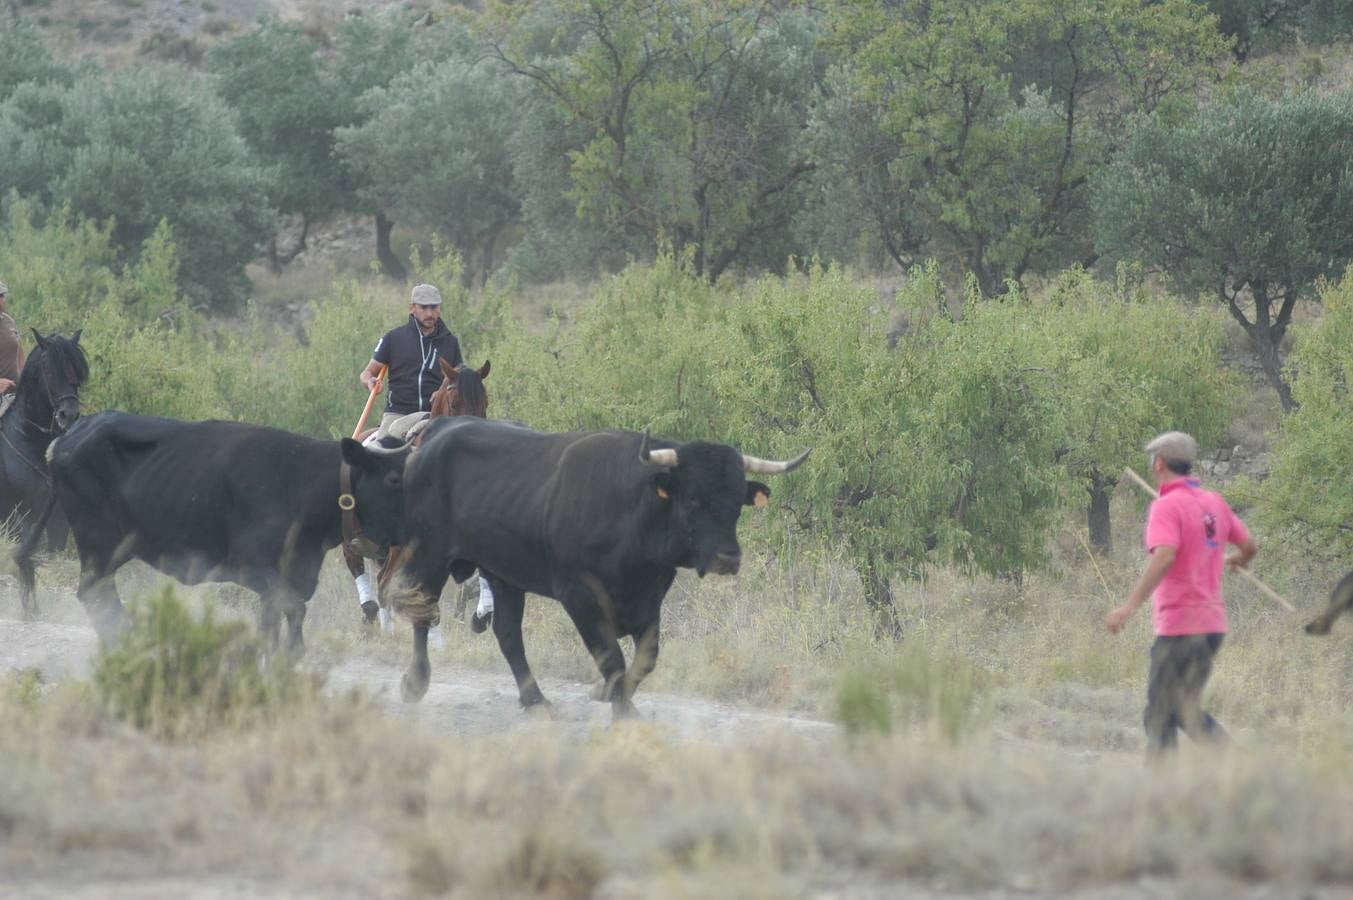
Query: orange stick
(1253,579)
(370,401)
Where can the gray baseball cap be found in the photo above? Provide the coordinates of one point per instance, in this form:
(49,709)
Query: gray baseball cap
(4,288)
(425,295)
(1174,445)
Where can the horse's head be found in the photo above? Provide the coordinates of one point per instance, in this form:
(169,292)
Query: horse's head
(49,385)
(461,393)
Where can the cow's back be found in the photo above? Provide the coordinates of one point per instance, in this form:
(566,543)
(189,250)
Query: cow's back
(524,502)
(211,492)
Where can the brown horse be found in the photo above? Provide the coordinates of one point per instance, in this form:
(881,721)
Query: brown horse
(461,393)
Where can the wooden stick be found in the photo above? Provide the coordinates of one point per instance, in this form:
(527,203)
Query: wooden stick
(1267,591)
(370,401)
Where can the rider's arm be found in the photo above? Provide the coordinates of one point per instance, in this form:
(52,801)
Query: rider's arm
(370,373)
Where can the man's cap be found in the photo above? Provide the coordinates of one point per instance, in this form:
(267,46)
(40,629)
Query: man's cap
(1174,445)
(4,288)
(425,295)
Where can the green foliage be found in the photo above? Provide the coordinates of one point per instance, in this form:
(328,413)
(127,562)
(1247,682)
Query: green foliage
(679,119)
(1249,201)
(177,676)
(1307,494)
(276,80)
(991,116)
(137,148)
(24,56)
(1258,25)
(430,152)
(917,687)
(1127,365)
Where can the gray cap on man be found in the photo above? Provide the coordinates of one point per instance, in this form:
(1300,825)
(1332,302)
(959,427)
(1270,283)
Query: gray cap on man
(425,295)
(4,289)
(1174,445)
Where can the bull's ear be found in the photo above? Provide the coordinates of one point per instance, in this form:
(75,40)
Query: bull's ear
(757,494)
(663,484)
(354,454)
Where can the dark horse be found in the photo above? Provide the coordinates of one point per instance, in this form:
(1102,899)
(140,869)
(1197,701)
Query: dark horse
(46,403)
(461,393)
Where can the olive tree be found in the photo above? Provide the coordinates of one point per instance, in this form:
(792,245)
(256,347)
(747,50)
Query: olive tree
(1248,201)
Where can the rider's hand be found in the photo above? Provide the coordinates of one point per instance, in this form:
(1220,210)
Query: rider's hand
(7,386)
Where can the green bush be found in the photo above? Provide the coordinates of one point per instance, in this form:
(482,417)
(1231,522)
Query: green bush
(175,675)
(916,687)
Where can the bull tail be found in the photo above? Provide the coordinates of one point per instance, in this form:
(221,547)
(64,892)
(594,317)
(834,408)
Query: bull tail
(1341,599)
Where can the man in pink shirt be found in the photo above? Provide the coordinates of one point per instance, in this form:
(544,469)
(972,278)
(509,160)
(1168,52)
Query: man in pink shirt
(1187,531)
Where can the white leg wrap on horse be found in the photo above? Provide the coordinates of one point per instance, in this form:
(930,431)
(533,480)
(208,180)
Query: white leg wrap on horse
(364,589)
(485,598)
(386,619)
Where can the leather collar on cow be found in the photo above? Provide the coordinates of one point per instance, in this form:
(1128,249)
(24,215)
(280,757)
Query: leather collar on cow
(352,529)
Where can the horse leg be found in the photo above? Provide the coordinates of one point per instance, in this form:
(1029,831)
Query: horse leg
(28,586)
(366,599)
(294,609)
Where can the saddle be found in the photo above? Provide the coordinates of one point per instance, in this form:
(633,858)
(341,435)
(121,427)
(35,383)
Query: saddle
(405,428)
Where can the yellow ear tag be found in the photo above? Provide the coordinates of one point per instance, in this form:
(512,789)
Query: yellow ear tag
(761,499)
(663,494)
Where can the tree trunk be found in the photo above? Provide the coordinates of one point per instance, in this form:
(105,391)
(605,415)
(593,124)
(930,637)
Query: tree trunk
(1273,368)
(878,595)
(390,263)
(1097,518)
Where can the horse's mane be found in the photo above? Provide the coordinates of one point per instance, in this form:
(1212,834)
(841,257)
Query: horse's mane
(56,352)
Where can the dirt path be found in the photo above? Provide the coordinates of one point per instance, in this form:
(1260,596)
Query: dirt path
(460,701)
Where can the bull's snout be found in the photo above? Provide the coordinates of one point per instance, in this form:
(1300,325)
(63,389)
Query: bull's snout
(726,562)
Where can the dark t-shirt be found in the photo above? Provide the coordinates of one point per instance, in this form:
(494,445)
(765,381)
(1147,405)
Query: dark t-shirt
(412,357)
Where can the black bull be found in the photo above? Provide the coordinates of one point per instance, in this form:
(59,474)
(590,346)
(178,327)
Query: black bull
(600,521)
(216,501)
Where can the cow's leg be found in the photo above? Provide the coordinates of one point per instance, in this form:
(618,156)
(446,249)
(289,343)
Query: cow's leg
(97,592)
(598,634)
(414,683)
(294,609)
(645,658)
(269,619)
(511,603)
(366,598)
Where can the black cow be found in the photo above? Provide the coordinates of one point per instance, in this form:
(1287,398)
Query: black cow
(216,501)
(600,521)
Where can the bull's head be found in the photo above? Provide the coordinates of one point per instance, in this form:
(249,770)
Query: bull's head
(707,487)
(378,489)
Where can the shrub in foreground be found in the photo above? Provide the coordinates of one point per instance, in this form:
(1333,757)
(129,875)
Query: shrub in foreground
(173,674)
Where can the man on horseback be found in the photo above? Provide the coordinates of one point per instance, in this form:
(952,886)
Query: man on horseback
(411,352)
(411,355)
(11,353)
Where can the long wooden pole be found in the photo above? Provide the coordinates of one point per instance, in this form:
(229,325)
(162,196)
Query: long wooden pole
(1267,591)
(370,401)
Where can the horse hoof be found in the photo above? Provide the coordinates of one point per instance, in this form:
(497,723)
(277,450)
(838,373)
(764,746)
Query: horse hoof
(1317,627)
(625,711)
(479,625)
(598,692)
(370,609)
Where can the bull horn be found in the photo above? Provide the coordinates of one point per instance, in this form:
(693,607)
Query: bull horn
(771,466)
(659,457)
(389,451)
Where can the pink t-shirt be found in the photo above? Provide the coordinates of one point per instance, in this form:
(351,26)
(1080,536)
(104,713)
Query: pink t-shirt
(1198,524)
